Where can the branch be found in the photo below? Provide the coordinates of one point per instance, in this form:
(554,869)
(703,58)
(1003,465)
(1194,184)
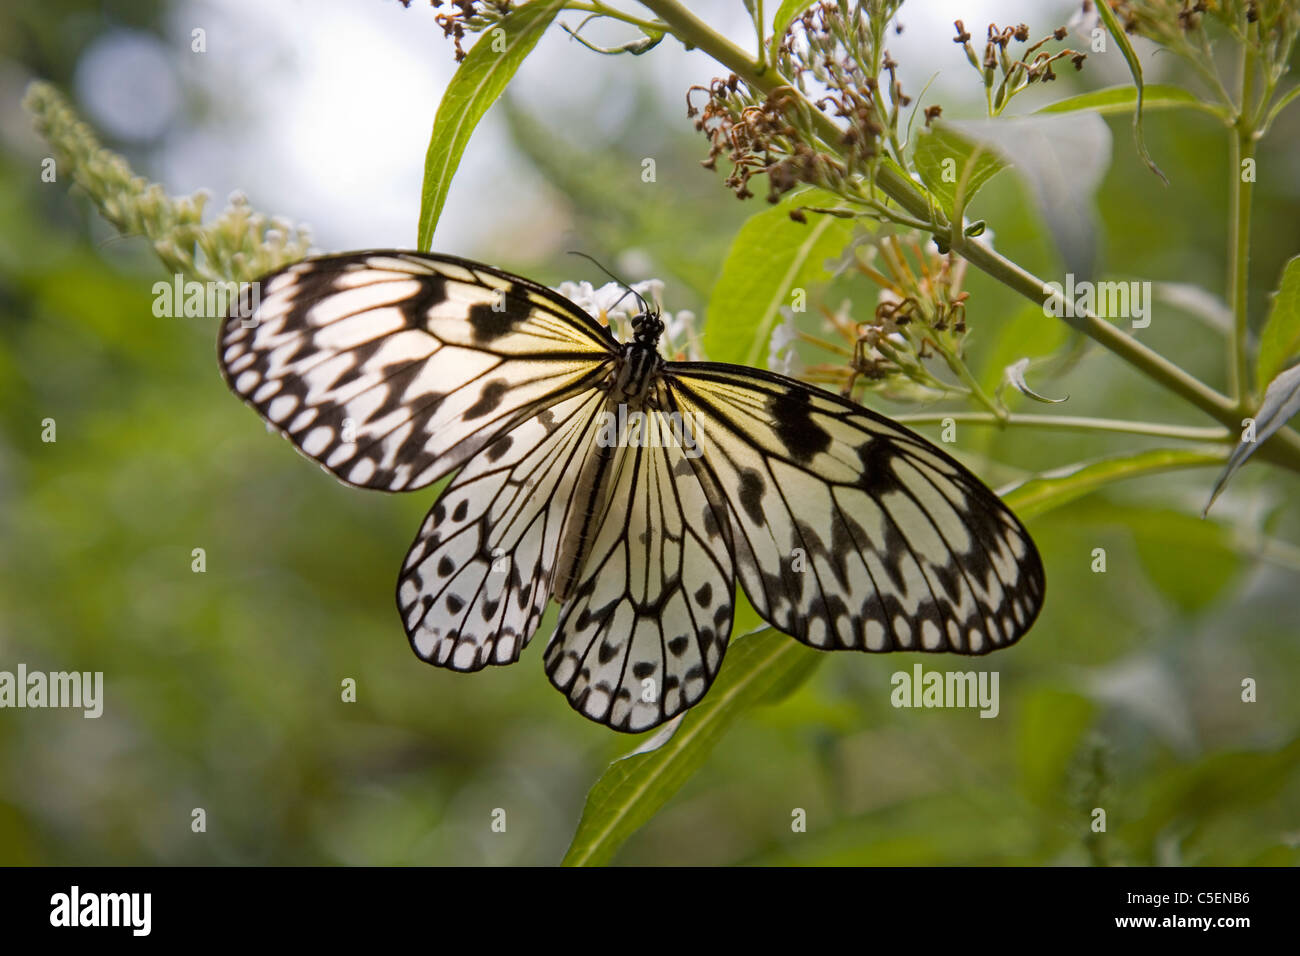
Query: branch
(1283,448)
(1241,193)
(1070,423)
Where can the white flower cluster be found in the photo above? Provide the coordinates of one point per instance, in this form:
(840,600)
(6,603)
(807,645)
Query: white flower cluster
(781,356)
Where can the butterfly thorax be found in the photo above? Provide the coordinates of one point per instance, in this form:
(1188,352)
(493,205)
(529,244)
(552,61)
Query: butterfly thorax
(640,362)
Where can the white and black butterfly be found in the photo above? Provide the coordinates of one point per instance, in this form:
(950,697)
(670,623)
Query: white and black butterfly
(847,531)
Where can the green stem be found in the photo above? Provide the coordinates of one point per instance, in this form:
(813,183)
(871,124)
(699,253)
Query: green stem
(1204,65)
(1283,448)
(602,10)
(1068,423)
(1152,363)
(1243,148)
(958,368)
(694,32)
(1241,192)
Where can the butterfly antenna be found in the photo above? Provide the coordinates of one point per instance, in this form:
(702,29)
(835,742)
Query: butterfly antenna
(645,306)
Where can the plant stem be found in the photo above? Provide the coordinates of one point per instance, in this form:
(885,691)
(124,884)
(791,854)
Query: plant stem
(958,368)
(603,10)
(694,32)
(1069,423)
(1204,65)
(1243,148)
(1152,363)
(1241,191)
(1283,448)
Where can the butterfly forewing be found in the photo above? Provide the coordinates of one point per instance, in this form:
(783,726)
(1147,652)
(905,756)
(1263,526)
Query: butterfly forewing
(849,530)
(392,369)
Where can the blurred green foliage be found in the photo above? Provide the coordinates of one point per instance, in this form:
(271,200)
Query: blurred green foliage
(223,689)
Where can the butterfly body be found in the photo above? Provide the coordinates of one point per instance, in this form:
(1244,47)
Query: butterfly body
(640,362)
(634,491)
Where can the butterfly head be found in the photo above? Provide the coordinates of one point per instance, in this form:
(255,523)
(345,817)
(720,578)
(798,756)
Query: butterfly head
(647,326)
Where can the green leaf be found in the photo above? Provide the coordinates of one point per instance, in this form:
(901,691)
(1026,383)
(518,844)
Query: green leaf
(1280,340)
(785,14)
(1015,377)
(1191,561)
(648,40)
(1281,402)
(1062,159)
(1050,490)
(1124,99)
(1134,67)
(759,669)
(480,79)
(1279,106)
(771,255)
(1221,784)
(951,164)
(744,618)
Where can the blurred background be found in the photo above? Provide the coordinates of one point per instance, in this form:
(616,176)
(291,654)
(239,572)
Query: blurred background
(222,688)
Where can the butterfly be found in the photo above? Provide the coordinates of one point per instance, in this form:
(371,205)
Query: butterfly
(634,491)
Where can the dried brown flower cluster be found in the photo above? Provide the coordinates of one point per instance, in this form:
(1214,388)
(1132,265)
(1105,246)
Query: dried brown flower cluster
(921,311)
(1163,19)
(832,55)
(1167,21)
(1013,69)
(469,16)
(756,137)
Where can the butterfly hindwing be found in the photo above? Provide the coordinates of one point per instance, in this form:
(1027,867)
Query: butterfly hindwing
(852,532)
(477,579)
(643,635)
(393,369)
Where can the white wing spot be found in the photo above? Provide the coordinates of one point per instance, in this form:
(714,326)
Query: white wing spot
(282,407)
(903,630)
(317,440)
